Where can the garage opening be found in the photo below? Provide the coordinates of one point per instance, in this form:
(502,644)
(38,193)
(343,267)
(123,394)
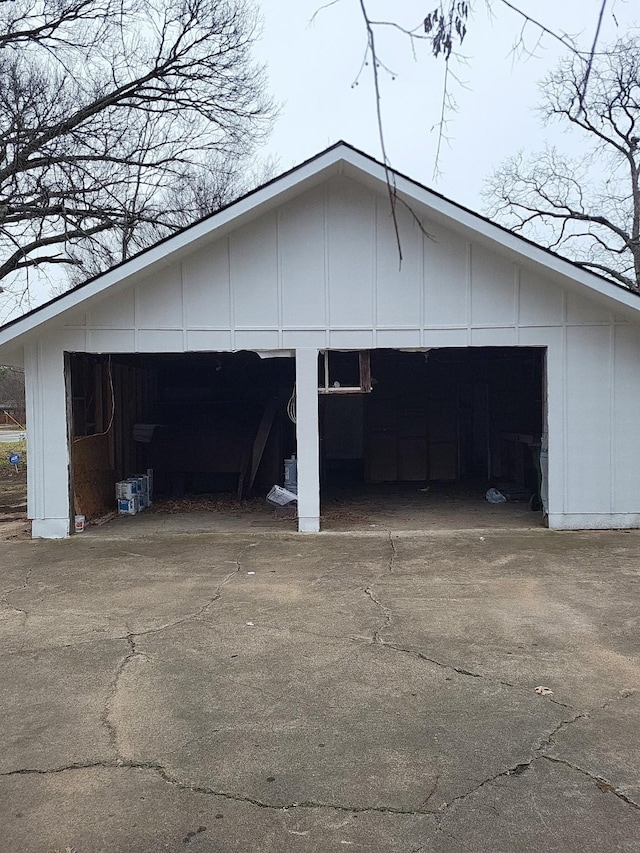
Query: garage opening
(210,424)
(436,432)
(408,439)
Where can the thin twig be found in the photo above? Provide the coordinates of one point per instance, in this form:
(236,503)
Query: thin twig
(436,166)
(563,39)
(389,176)
(592,53)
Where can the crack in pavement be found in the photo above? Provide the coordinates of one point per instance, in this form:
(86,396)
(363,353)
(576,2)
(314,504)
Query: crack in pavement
(23,585)
(421,656)
(168,625)
(375,637)
(162,772)
(518,769)
(25,613)
(4,598)
(131,637)
(601,782)
(189,617)
(52,771)
(547,740)
(514,770)
(394,554)
(378,640)
(538,755)
(622,694)
(108,708)
(466,672)
(431,793)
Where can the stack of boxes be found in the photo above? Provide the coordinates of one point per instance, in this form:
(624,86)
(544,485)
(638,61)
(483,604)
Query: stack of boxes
(135,493)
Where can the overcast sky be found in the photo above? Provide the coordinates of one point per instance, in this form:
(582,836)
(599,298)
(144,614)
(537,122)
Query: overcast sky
(314,58)
(313,63)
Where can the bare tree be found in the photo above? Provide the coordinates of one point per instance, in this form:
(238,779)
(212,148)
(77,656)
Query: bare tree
(188,196)
(586,207)
(106,106)
(11,395)
(441,30)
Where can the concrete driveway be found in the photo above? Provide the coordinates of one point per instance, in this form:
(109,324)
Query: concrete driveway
(276,692)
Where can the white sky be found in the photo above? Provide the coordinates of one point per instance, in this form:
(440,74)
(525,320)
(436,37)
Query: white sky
(312,67)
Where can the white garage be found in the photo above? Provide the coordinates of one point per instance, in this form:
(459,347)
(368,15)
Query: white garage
(480,355)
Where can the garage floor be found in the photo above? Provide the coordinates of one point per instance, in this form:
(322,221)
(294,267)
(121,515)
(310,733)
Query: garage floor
(417,506)
(395,506)
(272,692)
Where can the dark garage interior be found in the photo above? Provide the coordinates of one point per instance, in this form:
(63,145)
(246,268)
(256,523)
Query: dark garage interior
(471,416)
(218,423)
(206,423)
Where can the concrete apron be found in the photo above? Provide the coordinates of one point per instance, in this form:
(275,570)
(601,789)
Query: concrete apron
(272,692)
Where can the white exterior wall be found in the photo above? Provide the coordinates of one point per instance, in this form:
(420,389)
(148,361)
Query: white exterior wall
(47,445)
(322,271)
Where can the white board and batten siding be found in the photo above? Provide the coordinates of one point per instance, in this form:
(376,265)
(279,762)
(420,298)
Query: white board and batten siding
(322,271)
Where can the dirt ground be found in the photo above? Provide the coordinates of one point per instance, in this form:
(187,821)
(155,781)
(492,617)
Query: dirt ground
(13,493)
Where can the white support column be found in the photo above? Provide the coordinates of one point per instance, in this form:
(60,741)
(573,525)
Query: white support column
(308,441)
(48,468)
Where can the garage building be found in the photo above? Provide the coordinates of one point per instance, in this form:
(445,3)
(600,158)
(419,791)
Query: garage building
(286,324)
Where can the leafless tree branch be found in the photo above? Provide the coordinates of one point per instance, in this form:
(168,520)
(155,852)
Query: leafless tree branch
(552,197)
(115,117)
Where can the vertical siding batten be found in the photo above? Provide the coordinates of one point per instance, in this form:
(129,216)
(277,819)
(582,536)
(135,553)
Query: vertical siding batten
(279,276)
(136,315)
(184,307)
(327,266)
(421,282)
(565,407)
(612,416)
(469,283)
(375,274)
(516,304)
(232,301)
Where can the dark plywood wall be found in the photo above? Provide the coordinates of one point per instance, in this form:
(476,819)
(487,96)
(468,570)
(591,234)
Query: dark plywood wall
(93,476)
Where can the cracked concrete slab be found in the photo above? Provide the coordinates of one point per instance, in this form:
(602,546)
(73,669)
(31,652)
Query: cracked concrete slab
(606,743)
(322,692)
(129,810)
(129,588)
(547,807)
(283,717)
(546,615)
(52,705)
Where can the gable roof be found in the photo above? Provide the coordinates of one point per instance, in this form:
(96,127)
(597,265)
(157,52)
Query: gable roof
(340,158)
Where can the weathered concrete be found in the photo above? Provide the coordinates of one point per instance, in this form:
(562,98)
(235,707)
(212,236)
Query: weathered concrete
(265,692)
